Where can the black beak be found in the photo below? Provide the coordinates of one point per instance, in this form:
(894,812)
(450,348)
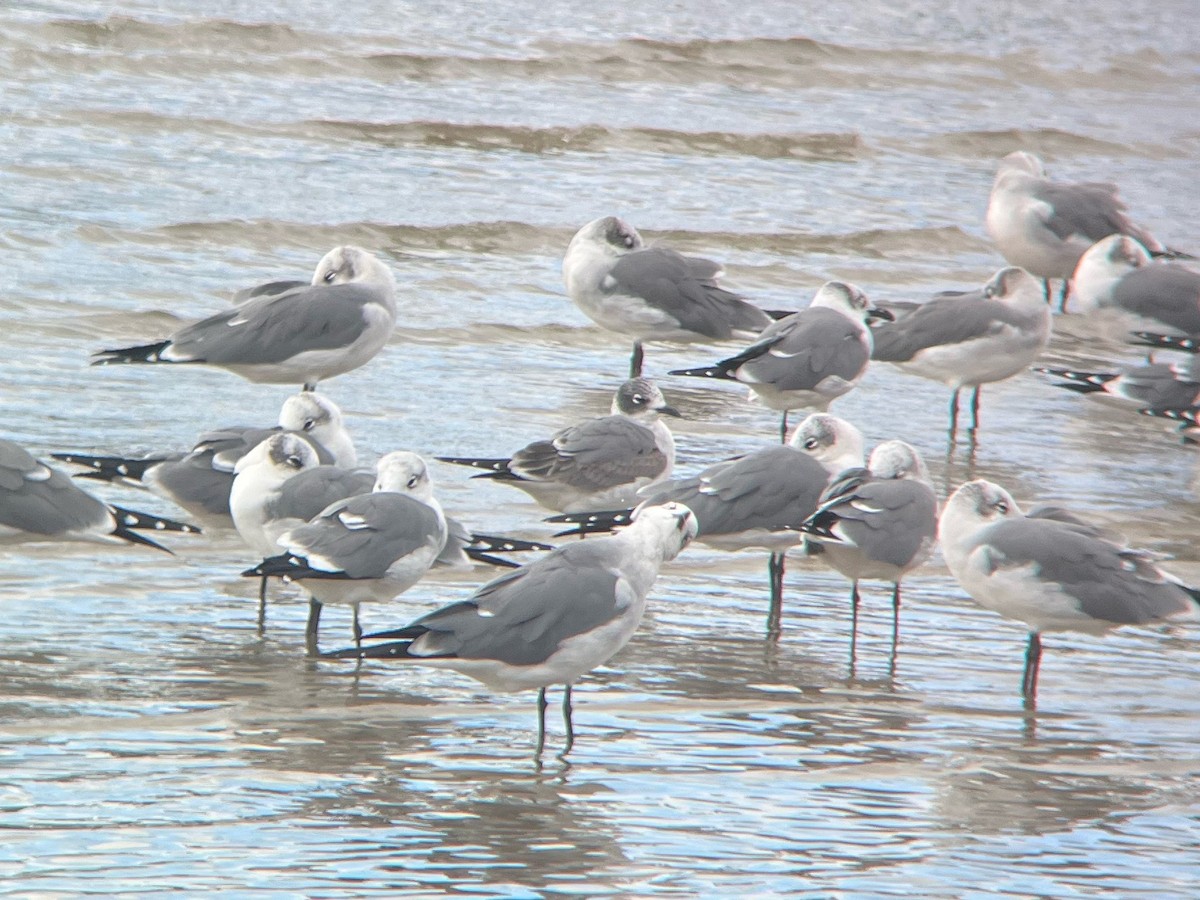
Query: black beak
(881,313)
(669,411)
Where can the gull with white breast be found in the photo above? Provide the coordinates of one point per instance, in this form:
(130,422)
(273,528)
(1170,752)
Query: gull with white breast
(1117,281)
(549,622)
(298,336)
(652,293)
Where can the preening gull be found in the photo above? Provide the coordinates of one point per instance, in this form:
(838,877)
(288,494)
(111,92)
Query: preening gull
(371,547)
(970,339)
(809,358)
(200,480)
(299,336)
(40,503)
(597,464)
(652,293)
(1117,279)
(1053,573)
(549,622)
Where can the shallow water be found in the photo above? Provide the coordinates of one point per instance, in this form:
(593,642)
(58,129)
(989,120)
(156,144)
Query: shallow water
(162,155)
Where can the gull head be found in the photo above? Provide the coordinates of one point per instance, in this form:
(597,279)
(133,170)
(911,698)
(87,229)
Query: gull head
(849,300)
(1104,264)
(640,398)
(609,235)
(975,505)
(350,264)
(834,443)
(285,454)
(1020,164)
(318,417)
(403,472)
(896,460)
(1015,287)
(672,523)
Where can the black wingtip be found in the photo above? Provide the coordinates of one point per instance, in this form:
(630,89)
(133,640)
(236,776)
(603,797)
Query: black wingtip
(1186,416)
(717,371)
(144,353)
(1189,344)
(133,519)
(392,650)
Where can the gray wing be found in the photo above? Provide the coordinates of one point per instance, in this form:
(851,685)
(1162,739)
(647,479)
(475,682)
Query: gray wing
(194,482)
(685,288)
(275,329)
(593,455)
(308,493)
(807,347)
(522,617)
(1157,386)
(940,322)
(771,488)
(365,535)
(270,289)
(1167,292)
(1110,583)
(1093,210)
(889,520)
(42,500)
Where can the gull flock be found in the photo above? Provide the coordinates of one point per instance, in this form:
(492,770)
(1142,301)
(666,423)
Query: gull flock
(346,534)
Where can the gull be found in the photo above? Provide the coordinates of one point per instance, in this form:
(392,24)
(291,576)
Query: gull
(1117,278)
(972,338)
(750,500)
(1188,419)
(809,358)
(549,622)
(1153,386)
(878,522)
(597,464)
(652,293)
(330,327)
(1052,573)
(200,480)
(281,485)
(1044,227)
(371,547)
(40,503)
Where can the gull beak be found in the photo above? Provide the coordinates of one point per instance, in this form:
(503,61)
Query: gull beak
(880,313)
(669,411)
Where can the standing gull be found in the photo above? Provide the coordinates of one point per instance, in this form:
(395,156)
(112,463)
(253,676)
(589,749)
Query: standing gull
(599,463)
(878,522)
(549,622)
(970,339)
(200,480)
(652,293)
(748,501)
(371,547)
(40,503)
(1052,573)
(1117,279)
(304,335)
(1044,227)
(808,359)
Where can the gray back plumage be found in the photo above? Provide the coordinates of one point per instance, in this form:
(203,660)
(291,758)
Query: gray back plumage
(1167,292)
(797,352)
(47,506)
(942,321)
(593,455)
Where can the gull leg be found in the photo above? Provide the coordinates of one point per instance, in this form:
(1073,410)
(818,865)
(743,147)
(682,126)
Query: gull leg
(635,361)
(262,605)
(309,386)
(356,628)
(954,414)
(1066,292)
(783,428)
(975,409)
(775,570)
(567,712)
(1033,661)
(541,737)
(312,626)
(1049,293)
(853,619)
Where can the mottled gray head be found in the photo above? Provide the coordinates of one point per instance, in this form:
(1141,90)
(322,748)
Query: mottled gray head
(982,501)
(403,473)
(640,397)
(1013,284)
(309,412)
(287,452)
(346,264)
(833,442)
(849,300)
(896,460)
(1124,252)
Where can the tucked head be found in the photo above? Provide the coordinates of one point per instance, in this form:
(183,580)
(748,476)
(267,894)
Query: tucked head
(981,502)
(615,236)
(849,300)
(641,397)
(1122,252)
(309,412)
(288,453)
(1014,285)
(673,523)
(896,460)
(1021,162)
(348,263)
(833,442)
(403,473)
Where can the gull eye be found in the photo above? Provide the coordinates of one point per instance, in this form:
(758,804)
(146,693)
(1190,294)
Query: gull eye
(638,399)
(811,444)
(310,424)
(294,462)
(412,482)
(329,276)
(1001,507)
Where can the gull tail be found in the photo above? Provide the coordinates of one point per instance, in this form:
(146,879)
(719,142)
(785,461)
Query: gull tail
(483,546)
(496,468)
(128,520)
(289,567)
(146,353)
(820,526)
(1189,344)
(1080,382)
(111,468)
(592,522)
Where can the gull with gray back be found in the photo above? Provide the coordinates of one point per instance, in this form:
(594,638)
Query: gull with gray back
(298,336)
(652,293)
(1117,282)
(549,622)
(1053,572)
